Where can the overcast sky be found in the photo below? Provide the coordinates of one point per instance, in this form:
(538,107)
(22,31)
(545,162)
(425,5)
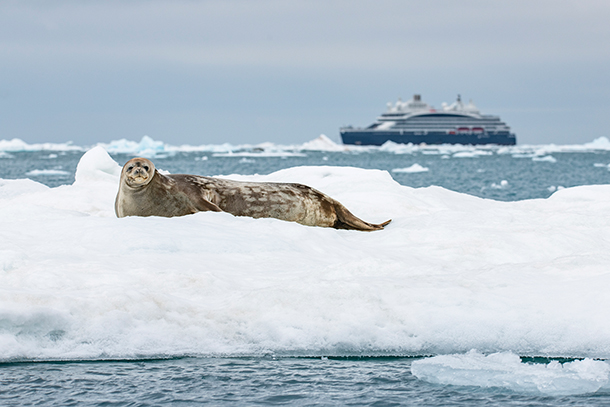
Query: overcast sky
(201,72)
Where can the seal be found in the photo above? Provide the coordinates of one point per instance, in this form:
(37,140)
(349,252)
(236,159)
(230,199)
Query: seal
(144,191)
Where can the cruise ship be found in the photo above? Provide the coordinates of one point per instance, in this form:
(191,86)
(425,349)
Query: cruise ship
(417,122)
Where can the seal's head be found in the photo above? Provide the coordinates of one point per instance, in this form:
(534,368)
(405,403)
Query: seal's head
(138,172)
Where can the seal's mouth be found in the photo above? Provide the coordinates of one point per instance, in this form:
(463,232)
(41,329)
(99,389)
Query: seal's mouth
(139,176)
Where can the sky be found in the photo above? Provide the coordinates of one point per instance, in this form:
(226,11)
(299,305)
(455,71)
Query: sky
(282,71)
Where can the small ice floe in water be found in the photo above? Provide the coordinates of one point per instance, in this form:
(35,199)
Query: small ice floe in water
(554,188)
(246,160)
(412,169)
(471,154)
(502,185)
(546,158)
(42,173)
(506,370)
(204,158)
(51,156)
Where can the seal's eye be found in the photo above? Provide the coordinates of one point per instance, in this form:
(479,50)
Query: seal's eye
(129,168)
(146,168)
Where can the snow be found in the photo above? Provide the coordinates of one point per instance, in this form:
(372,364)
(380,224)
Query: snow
(506,370)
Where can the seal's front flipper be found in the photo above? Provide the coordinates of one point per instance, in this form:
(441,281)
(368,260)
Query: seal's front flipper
(204,205)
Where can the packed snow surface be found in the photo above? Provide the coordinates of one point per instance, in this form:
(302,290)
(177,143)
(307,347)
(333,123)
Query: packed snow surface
(451,273)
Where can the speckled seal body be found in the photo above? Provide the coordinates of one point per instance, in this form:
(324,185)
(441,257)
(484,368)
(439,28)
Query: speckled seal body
(143,191)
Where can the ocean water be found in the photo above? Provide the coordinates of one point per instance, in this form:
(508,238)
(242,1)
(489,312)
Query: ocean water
(488,288)
(251,381)
(505,174)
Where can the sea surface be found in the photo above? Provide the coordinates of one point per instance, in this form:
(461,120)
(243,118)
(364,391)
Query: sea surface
(503,177)
(250,381)
(496,174)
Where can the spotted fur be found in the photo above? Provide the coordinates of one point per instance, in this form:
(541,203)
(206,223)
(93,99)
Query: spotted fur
(143,191)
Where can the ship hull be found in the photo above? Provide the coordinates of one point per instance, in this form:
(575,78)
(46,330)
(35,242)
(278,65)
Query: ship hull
(376,138)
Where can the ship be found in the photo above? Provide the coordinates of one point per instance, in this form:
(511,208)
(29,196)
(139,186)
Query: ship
(417,122)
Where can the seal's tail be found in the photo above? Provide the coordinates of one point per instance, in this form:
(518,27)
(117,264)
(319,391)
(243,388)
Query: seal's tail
(347,220)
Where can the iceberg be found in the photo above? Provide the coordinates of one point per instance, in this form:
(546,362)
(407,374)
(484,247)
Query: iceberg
(451,273)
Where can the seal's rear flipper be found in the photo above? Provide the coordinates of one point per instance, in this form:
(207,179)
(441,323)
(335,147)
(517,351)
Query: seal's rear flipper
(347,220)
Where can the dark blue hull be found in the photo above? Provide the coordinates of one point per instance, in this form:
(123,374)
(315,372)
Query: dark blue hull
(377,138)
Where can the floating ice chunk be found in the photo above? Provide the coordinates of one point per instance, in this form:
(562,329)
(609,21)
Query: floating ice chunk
(554,188)
(38,173)
(280,154)
(471,154)
(546,158)
(396,148)
(451,272)
(6,155)
(506,370)
(600,165)
(147,147)
(20,145)
(219,148)
(412,169)
(152,148)
(322,143)
(14,145)
(601,143)
(502,185)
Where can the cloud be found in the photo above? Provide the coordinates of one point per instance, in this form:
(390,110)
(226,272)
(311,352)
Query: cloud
(338,34)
